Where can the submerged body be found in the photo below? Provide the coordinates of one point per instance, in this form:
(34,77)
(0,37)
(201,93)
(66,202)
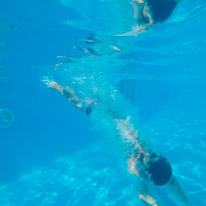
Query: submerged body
(144,164)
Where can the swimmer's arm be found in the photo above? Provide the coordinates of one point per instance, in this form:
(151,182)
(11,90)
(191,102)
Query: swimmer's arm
(132,166)
(144,193)
(176,193)
(134,4)
(68,93)
(139,29)
(147,13)
(146,196)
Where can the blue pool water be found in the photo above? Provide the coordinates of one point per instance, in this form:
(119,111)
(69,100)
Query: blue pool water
(53,154)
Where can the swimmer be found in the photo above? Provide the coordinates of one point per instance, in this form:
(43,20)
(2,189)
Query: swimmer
(144,164)
(149,12)
(150,168)
(66,92)
(86,107)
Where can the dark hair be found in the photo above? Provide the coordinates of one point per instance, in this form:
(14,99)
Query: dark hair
(160,170)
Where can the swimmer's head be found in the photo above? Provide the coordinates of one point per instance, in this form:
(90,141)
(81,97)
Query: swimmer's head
(89,109)
(160,170)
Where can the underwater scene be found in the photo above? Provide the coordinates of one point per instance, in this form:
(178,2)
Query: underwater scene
(102,103)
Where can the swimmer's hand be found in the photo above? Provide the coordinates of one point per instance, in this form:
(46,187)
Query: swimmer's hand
(135,31)
(51,84)
(149,200)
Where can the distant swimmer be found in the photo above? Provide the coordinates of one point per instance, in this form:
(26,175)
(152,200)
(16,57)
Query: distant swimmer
(150,12)
(144,164)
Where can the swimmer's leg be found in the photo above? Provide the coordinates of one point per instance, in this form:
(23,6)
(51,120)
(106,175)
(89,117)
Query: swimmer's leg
(176,193)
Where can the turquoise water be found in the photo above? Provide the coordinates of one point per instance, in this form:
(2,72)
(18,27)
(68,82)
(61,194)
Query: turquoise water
(53,154)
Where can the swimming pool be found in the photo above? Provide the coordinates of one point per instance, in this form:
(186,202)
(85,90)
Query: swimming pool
(52,154)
